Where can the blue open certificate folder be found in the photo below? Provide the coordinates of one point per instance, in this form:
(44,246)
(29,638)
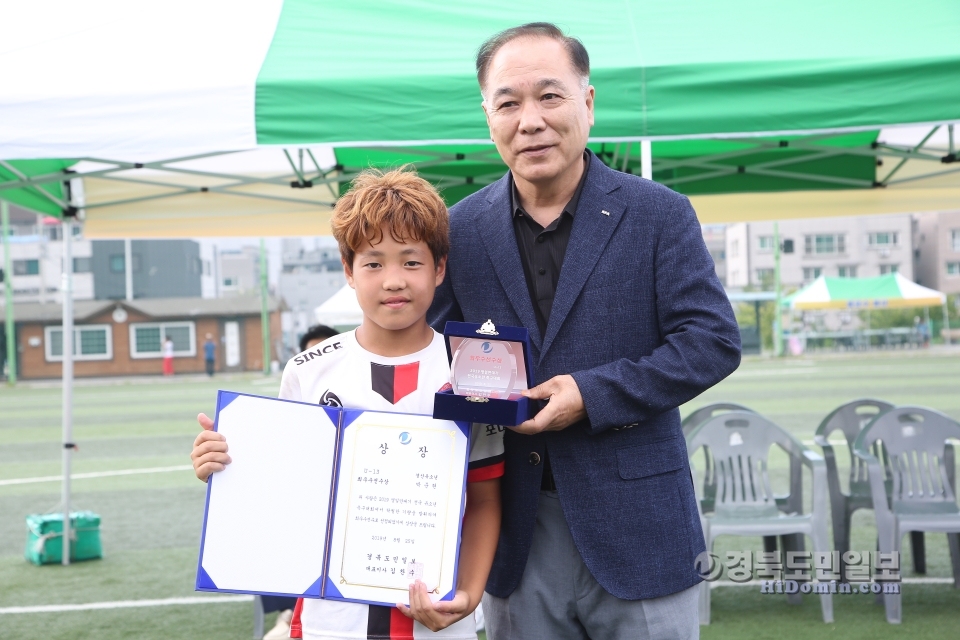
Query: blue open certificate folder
(322,502)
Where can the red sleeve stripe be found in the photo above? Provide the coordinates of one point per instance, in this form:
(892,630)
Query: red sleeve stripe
(485,473)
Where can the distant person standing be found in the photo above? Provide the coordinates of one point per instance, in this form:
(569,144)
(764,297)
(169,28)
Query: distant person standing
(168,357)
(210,353)
(922,331)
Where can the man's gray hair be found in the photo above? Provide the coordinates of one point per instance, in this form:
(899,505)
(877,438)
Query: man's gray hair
(578,53)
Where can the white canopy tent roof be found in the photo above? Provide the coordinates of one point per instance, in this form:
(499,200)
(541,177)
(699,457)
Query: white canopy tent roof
(341,309)
(157,102)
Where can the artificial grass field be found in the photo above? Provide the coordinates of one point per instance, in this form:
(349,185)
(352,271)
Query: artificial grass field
(151,522)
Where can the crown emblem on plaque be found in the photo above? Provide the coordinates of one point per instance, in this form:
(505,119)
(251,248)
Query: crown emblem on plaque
(488,329)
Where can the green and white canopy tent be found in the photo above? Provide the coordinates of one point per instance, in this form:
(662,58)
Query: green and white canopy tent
(189,118)
(209,117)
(891,291)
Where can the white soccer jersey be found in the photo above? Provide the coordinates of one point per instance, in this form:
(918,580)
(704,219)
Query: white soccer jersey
(340,373)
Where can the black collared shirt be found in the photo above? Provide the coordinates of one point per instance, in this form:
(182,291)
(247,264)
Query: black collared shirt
(542,249)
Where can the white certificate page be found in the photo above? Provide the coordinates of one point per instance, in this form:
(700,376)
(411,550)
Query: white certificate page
(267,512)
(398,508)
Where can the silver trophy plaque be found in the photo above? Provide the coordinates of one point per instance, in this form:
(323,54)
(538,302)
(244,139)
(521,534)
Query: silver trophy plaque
(484,368)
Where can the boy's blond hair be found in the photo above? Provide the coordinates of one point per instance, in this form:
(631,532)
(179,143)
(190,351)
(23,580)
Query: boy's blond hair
(407,204)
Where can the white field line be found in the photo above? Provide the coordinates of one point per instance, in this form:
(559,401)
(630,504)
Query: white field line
(125,604)
(764,373)
(96,474)
(756,583)
(129,604)
(836,443)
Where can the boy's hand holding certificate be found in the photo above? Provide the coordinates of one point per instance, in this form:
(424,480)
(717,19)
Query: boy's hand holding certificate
(365,503)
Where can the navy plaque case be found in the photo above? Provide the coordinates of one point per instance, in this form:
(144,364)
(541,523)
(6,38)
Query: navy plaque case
(509,411)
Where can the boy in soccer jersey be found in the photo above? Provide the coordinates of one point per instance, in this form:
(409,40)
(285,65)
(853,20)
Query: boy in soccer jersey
(392,229)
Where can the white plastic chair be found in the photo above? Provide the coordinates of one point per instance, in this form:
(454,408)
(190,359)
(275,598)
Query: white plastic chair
(739,443)
(921,495)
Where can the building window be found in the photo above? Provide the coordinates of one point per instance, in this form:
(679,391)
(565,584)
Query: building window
(90,342)
(26,267)
(955,239)
(824,243)
(765,244)
(849,271)
(147,338)
(883,239)
(765,277)
(82,265)
(118,263)
(889,268)
(229,283)
(735,249)
(811,273)
(953,268)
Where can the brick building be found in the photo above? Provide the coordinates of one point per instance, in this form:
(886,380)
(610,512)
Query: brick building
(118,338)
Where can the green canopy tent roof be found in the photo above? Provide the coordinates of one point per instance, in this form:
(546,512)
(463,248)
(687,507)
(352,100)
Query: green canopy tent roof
(742,96)
(692,167)
(680,71)
(47,198)
(685,68)
(891,291)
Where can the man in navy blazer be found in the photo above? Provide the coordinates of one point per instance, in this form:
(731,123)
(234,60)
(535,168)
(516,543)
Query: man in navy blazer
(627,321)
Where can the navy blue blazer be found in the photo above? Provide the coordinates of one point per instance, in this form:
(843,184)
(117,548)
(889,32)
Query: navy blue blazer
(642,323)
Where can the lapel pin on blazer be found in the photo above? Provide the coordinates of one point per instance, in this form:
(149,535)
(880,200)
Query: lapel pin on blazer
(604,212)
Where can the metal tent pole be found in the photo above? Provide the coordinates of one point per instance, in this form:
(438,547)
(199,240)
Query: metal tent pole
(646,159)
(946,323)
(128,269)
(777,312)
(264,311)
(8,296)
(67,418)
